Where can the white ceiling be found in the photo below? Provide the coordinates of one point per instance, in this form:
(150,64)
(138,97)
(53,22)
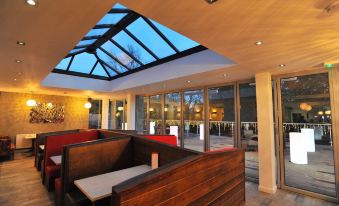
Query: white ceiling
(300,34)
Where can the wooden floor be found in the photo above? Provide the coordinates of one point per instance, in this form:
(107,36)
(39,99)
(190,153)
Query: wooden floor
(20,184)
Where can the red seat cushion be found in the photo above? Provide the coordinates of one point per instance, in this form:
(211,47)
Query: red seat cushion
(168,139)
(53,170)
(57,184)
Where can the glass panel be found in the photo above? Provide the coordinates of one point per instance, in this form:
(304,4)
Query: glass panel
(111,114)
(179,41)
(119,114)
(173,115)
(194,120)
(63,64)
(120,55)
(83,63)
(104,57)
(95,114)
(76,50)
(221,116)
(123,39)
(98,70)
(150,38)
(249,129)
(97,32)
(110,71)
(111,18)
(86,42)
(141,114)
(307,134)
(155,114)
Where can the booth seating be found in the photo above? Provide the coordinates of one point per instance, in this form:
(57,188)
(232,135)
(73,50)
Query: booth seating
(184,177)
(54,144)
(40,141)
(168,139)
(6,148)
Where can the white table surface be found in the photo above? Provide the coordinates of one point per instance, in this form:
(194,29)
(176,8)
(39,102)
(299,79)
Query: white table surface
(42,147)
(100,186)
(29,136)
(56,159)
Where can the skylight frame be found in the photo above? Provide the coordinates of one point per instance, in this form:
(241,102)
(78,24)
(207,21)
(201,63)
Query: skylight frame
(114,29)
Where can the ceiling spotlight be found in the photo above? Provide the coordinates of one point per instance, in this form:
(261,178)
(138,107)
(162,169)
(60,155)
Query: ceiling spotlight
(31,2)
(18,61)
(225,75)
(282,65)
(21,43)
(258,43)
(188,81)
(211,1)
(15,79)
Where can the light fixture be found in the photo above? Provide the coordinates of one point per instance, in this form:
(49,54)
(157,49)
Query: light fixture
(166,109)
(305,107)
(14,79)
(320,112)
(178,110)
(120,108)
(225,75)
(31,103)
(21,43)
(49,105)
(88,105)
(32,2)
(258,43)
(328,112)
(151,109)
(282,65)
(18,61)
(188,81)
(211,1)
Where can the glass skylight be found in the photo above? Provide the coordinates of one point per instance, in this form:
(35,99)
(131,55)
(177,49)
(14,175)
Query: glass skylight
(124,42)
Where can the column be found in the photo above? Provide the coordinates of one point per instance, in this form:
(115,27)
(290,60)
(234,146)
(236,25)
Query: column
(104,114)
(266,144)
(130,111)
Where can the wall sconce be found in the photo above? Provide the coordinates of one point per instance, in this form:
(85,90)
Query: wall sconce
(49,105)
(328,112)
(178,110)
(31,103)
(166,109)
(151,109)
(88,105)
(214,111)
(120,108)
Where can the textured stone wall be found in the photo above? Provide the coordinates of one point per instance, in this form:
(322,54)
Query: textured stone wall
(14,114)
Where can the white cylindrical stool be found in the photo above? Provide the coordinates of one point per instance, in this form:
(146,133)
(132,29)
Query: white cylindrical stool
(201,130)
(298,149)
(174,131)
(152,128)
(310,142)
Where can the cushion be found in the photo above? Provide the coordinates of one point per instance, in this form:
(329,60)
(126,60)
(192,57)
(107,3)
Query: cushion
(53,170)
(167,139)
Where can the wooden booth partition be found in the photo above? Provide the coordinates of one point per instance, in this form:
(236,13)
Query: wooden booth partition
(207,179)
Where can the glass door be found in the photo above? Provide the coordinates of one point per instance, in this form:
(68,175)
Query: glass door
(194,135)
(306,138)
(249,129)
(155,114)
(221,117)
(172,115)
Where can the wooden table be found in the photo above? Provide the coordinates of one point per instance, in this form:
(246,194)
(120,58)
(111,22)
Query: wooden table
(100,186)
(56,159)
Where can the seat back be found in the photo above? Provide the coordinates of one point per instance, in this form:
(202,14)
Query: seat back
(5,147)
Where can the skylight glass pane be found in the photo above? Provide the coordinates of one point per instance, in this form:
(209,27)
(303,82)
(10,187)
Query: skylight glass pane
(98,70)
(150,38)
(97,32)
(86,42)
(120,55)
(76,50)
(112,18)
(124,40)
(107,59)
(119,6)
(83,63)
(179,41)
(63,64)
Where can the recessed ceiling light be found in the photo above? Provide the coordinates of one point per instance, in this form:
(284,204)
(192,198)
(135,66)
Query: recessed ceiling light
(15,79)
(282,65)
(188,81)
(225,75)
(18,61)
(211,1)
(21,43)
(31,2)
(258,43)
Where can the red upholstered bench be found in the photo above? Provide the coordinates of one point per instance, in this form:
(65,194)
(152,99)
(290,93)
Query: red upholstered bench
(168,139)
(53,147)
(57,186)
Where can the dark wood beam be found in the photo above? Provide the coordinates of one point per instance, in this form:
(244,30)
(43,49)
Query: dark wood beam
(94,67)
(114,58)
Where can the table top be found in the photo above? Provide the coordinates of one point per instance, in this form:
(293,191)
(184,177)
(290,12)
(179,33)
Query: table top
(29,136)
(100,186)
(42,147)
(56,159)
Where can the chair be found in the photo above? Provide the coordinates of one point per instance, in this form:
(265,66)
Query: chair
(6,148)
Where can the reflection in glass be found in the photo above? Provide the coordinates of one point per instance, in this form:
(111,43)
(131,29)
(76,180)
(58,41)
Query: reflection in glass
(141,114)
(95,114)
(173,114)
(221,116)
(194,120)
(249,129)
(155,114)
(308,157)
